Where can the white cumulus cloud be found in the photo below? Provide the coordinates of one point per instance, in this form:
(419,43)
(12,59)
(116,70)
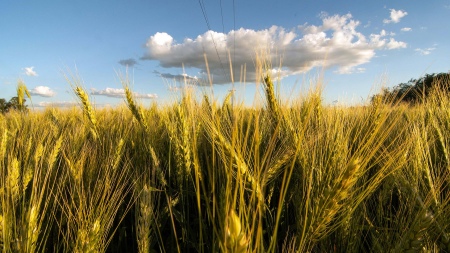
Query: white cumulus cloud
(335,43)
(29,71)
(393,44)
(120,93)
(395,17)
(406,29)
(42,91)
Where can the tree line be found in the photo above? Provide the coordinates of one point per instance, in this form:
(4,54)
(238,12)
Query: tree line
(415,90)
(16,103)
(12,104)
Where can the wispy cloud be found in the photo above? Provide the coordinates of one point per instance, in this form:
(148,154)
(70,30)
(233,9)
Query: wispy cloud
(406,29)
(42,91)
(5,81)
(29,71)
(128,62)
(179,77)
(174,88)
(334,43)
(360,70)
(57,104)
(120,93)
(424,51)
(395,17)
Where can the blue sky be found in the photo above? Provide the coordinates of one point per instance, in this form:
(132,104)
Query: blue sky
(358,44)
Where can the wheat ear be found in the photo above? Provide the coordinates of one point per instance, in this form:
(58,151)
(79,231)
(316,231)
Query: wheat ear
(236,239)
(145,213)
(444,240)
(3,145)
(185,144)
(275,168)
(87,109)
(331,202)
(242,167)
(271,99)
(12,180)
(416,235)
(144,216)
(89,238)
(33,229)
(21,92)
(134,108)
(1,231)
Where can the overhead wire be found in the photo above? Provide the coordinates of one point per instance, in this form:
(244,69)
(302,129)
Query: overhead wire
(234,31)
(221,14)
(202,6)
(234,45)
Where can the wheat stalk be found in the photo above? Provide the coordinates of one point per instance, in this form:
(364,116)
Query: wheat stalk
(3,145)
(145,203)
(87,109)
(144,217)
(274,108)
(174,137)
(156,165)
(235,238)
(12,180)
(206,103)
(21,92)
(444,240)
(2,230)
(416,235)
(331,202)
(39,204)
(33,229)
(134,108)
(185,144)
(441,140)
(26,178)
(89,238)
(275,168)
(75,170)
(179,126)
(39,152)
(118,155)
(242,167)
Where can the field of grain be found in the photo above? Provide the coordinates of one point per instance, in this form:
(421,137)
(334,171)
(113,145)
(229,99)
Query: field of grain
(206,176)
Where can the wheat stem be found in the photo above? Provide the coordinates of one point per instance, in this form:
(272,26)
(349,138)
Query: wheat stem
(331,202)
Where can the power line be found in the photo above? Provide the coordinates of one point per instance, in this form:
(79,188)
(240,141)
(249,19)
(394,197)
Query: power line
(234,29)
(202,6)
(221,14)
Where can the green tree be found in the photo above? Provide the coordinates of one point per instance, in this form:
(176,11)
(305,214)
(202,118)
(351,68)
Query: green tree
(3,105)
(416,90)
(14,104)
(18,102)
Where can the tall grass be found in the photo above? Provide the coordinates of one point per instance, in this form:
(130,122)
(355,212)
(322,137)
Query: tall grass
(211,176)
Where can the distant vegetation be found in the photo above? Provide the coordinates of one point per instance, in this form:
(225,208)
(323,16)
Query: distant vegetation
(11,105)
(204,176)
(416,91)
(16,103)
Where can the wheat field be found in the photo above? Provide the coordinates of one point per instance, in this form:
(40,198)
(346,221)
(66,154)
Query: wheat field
(201,175)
